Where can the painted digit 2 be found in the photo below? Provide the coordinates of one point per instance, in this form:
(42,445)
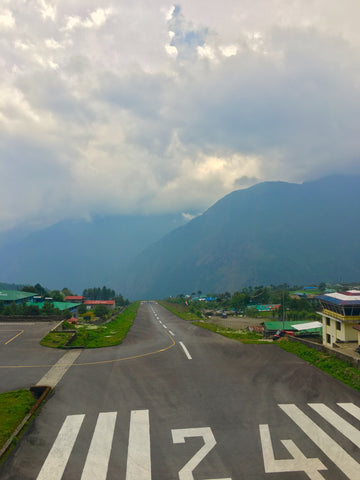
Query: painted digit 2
(179,436)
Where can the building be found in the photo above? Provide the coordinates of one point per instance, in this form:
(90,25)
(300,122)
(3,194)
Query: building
(110,304)
(74,298)
(340,313)
(15,296)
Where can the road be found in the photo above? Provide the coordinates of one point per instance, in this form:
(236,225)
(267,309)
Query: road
(175,401)
(20,349)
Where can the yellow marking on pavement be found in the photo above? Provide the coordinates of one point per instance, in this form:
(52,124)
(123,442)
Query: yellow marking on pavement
(13,338)
(102,362)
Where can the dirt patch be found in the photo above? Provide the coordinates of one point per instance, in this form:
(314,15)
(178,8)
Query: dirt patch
(236,323)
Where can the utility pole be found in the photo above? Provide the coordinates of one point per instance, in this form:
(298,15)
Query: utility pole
(283,310)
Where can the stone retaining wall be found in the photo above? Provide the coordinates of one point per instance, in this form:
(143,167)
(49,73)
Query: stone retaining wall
(31,318)
(355,362)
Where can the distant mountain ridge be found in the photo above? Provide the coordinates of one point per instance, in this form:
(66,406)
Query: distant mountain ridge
(273,232)
(80,254)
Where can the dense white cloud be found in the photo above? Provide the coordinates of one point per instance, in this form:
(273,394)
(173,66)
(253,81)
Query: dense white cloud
(154,106)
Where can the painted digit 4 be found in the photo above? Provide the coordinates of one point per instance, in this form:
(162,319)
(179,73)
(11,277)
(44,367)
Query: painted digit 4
(179,436)
(298,462)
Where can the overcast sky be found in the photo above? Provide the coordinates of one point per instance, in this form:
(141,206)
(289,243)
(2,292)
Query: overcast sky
(112,106)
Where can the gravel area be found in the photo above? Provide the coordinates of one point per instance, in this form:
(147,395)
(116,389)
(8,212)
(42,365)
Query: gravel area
(236,323)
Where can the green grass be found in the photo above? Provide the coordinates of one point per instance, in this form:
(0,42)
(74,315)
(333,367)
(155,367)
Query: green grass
(56,339)
(243,336)
(97,336)
(13,408)
(326,362)
(180,310)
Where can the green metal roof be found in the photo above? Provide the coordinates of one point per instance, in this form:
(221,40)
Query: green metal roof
(14,295)
(60,305)
(280,325)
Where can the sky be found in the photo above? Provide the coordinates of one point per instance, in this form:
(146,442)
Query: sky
(118,107)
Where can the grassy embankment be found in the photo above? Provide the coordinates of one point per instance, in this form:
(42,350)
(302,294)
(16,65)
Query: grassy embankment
(326,362)
(13,408)
(96,336)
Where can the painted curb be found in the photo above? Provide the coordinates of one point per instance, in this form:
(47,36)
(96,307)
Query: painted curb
(41,392)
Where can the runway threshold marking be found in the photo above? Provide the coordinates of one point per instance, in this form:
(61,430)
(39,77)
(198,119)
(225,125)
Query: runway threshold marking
(56,461)
(101,362)
(344,427)
(351,408)
(97,460)
(139,457)
(347,464)
(186,351)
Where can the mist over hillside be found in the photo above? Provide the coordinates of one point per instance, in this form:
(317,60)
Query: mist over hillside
(271,233)
(78,254)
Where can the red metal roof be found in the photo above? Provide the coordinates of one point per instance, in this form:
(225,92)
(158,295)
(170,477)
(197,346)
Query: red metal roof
(70,298)
(357,327)
(99,302)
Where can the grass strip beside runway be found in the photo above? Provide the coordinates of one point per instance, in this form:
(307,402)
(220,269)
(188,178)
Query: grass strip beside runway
(326,362)
(337,368)
(13,408)
(91,336)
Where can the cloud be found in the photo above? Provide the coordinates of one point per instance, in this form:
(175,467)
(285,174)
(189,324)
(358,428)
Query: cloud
(114,107)
(7,20)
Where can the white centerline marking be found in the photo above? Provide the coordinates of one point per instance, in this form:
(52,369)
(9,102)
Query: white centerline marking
(344,427)
(58,457)
(139,459)
(332,450)
(171,333)
(164,326)
(186,351)
(97,460)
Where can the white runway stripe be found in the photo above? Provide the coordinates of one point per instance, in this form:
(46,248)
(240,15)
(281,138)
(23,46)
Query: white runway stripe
(186,351)
(58,457)
(337,454)
(344,427)
(351,408)
(139,458)
(97,460)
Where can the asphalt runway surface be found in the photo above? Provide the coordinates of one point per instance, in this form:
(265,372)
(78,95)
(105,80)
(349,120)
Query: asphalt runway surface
(175,401)
(23,361)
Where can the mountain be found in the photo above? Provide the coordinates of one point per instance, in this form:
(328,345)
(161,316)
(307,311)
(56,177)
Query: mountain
(81,254)
(271,233)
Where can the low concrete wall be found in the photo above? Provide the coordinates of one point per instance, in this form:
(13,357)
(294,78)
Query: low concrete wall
(31,318)
(354,362)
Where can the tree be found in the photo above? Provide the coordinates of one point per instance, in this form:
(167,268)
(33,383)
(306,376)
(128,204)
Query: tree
(57,296)
(40,289)
(66,292)
(32,310)
(81,309)
(100,311)
(29,288)
(120,301)
(239,301)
